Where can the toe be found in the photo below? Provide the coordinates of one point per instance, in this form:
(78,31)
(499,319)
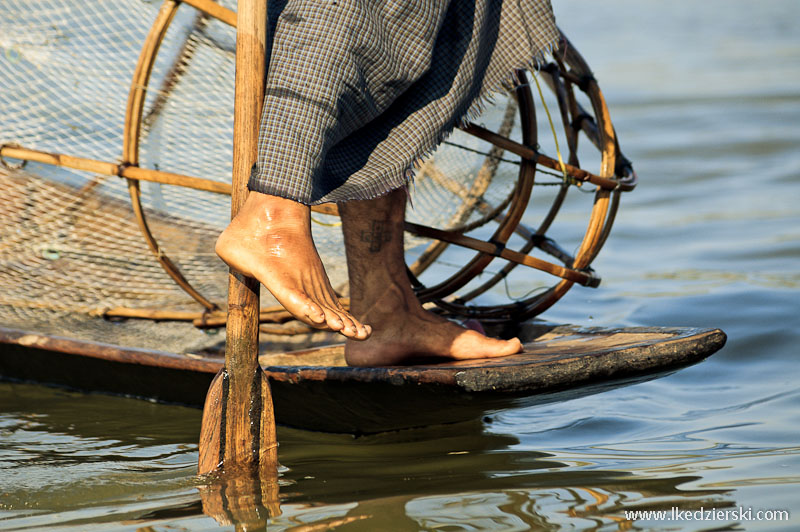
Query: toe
(314,313)
(350,329)
(334,321)
(512,346)
(304,310)
(517,344)
(362,332)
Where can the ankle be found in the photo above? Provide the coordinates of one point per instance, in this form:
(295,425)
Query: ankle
(388,299)
(275,210)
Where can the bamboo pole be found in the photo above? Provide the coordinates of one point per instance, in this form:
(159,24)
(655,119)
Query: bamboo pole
(107,168)
(141,77)
(130,142)
(131,172)
(238,421)
(496,250)
(526,152)
(273,314)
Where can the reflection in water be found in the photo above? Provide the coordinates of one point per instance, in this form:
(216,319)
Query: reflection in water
(424,478)
(68,457)
(431,478)
(447,476)
(435,478)
(246,498)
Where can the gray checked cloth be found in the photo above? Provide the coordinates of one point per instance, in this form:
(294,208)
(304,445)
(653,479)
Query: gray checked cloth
(358,91)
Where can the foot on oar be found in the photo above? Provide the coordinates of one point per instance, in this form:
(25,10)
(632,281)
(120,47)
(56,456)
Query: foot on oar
(404,331)
(270,239)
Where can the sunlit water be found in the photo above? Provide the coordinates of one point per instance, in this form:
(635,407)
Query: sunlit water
(705,99)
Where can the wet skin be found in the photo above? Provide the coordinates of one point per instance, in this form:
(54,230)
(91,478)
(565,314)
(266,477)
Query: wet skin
(270,239)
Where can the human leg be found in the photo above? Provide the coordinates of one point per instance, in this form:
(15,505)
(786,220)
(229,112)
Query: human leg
(381,294)
(350,103)
(270,239)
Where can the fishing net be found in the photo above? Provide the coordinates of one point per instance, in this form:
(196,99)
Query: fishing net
(116,123)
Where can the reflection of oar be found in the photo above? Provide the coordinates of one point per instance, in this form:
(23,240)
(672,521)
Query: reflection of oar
(238,429)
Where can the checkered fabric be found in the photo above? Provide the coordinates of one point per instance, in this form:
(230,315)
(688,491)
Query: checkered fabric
(359,90)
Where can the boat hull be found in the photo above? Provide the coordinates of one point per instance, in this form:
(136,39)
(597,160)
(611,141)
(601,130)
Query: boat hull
(313,389)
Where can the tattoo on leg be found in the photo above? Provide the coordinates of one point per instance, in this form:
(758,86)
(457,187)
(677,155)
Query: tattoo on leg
(377,236)
(357,275)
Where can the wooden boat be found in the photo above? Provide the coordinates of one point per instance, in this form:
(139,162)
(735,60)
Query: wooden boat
(74,252)
(314,388)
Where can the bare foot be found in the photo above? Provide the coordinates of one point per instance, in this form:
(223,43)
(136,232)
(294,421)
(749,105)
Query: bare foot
(270,239)
(404,331)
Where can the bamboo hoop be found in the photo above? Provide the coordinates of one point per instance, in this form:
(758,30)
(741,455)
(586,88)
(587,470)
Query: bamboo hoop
(508,224)
(602,212)
(615,176)
(139,82)
(536,238)
(166,263)
(183,57)
(130,143)
(471,199)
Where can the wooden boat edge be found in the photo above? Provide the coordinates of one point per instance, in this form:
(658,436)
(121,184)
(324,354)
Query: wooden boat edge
(351,400)
(685,347)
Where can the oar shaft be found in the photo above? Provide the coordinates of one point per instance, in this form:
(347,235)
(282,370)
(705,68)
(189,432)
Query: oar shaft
(241,352)
(240,431)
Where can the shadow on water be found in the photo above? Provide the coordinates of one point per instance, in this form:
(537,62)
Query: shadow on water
(145,475)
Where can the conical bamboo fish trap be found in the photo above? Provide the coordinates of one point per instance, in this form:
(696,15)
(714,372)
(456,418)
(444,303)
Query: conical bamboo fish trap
(115,152)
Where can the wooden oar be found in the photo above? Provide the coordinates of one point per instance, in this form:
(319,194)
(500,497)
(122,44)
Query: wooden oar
(238,428)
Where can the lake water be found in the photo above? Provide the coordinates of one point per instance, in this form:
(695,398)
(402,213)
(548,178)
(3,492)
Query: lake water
(705,97)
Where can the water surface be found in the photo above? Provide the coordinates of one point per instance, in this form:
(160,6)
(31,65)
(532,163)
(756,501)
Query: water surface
(704,98)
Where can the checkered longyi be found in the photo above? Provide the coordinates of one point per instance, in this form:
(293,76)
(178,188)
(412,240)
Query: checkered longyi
(359,90)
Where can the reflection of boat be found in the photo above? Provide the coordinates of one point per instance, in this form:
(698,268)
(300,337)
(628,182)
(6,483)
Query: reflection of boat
(314,389)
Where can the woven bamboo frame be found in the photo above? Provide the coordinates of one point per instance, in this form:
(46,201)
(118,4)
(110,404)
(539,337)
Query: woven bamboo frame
(568,72)
(131,136)
(472,198)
